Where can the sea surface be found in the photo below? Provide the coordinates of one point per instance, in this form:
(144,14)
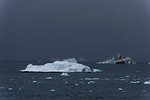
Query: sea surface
(115,82)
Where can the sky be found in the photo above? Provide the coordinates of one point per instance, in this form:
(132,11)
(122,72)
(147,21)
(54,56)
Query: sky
(91,29)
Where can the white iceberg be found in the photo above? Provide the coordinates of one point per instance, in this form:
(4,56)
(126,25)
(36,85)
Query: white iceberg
(67,65)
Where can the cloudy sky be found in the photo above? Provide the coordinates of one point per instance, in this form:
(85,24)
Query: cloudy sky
(91,29)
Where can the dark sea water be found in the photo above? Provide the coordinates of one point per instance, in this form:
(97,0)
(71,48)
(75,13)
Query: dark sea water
(115,82)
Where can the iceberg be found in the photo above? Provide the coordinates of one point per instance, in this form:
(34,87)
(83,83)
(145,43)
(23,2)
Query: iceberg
(66,65)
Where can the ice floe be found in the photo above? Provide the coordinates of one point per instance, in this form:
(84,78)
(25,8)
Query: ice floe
(67,65)
(120,89)
(91,82)
(66,82)
(147,82)
(48,78)
(76,84)
(52,90)
(34,81)
(92,79)
(97,70)
(127,76)
(135,82)
(65,74)
(10,89)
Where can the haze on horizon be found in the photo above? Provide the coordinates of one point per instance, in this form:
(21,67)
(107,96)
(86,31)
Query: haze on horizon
(91,29)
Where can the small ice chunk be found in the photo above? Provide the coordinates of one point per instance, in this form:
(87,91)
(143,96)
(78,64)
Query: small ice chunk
(91,82)
(2,87)
(127,76)
(97,70)
(34,81)
(90,90)
(120,89)
(66,82)
(76,84)
(82,82)
(10,89)
(135,82)
(122,79)
(65,74)
(52,90)
(48,78)
(92,79)
(147,82)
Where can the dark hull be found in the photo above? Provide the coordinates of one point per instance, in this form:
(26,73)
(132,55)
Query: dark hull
(120,62)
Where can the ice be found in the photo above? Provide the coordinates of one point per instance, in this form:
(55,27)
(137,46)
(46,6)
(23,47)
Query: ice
(66,82)
(107,79)
(52,90)
(76,84)
(135,82)
(120,89)
(67,65)
(82,82)
(64,74)
(127,76)
(91,82)
(34,81)
(10,89)
(147,82)
(92,79)
(48,78)
(2,87)
(97,70)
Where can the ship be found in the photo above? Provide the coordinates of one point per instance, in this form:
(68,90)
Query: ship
(118,60)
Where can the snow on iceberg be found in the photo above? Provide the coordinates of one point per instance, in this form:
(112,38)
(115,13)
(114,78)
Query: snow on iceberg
(67,65)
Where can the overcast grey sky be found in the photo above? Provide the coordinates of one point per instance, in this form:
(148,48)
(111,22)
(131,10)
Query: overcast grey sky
(92,29)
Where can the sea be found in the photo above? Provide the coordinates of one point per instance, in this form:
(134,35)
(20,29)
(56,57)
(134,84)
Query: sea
(114,82)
